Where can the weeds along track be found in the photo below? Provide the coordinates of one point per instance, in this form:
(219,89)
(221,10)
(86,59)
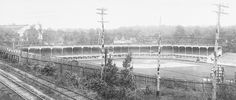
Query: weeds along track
(19,88)
(43,82)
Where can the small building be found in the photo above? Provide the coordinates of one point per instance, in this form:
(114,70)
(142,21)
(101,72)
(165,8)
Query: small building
(124,41)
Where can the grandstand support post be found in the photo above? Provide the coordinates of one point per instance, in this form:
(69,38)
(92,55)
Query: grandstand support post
(72,48)
(51,51)
(150,51)
(139,50)
(185,50)
(113,48)
(207,51)
(178,49)
(172,49)
(219,13)
(82,50)
(128,49)
(192,50)
(62,51)
(40,52)
(27,58)
(199,51)
(20,56)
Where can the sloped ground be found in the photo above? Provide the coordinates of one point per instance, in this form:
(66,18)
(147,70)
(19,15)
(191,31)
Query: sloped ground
(8,94)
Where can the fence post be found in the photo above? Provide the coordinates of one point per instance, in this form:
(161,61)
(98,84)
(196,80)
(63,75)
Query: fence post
(186,85)
(14,58)
(203,89)
(20,56)
(11,57)
(82,71)
(61,71)
(173,83)
(71,68)
(27,58)
(145,80)
(7,54)
(0,53)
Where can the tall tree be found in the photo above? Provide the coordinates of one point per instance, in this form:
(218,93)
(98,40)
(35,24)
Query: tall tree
(195,35)
(179,33)
(31,35)
(126,78)
(50,36)
(127,83)
(110,75)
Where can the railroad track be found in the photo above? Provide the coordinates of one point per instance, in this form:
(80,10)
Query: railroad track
(70,94)
(19,88)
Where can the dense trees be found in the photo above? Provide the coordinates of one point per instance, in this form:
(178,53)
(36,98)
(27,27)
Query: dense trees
(32,36)
(147,34)
(8,36)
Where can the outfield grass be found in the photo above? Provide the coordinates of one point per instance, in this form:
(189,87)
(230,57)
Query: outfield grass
(175,68)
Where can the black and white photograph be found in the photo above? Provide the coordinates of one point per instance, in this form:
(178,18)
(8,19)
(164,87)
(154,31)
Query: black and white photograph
(117,50)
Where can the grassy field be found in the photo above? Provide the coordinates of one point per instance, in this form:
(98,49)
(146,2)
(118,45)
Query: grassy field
(175,69)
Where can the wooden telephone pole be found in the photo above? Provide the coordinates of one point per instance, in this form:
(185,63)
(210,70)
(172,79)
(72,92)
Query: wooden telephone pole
(214,82)
(158,62)
(101,36)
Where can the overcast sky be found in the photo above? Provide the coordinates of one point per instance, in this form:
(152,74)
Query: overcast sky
(82,13)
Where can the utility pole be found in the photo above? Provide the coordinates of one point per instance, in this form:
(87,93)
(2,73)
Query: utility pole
(158,62)
(219,13)
(101,36)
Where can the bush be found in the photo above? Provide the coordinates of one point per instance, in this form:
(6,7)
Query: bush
(113,85)
(147,90)
(48,70)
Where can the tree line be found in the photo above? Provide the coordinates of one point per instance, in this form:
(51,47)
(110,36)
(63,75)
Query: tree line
(148,34)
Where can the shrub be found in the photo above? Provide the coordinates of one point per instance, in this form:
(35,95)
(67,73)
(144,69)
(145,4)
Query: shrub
(49,69)
(113,85)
